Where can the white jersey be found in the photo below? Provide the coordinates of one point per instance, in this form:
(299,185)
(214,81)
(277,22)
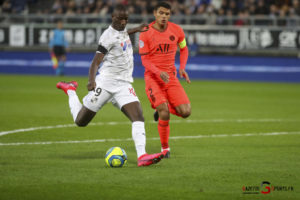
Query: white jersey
(118,61)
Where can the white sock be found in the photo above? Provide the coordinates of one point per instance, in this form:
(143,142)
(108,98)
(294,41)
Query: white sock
(139,137)
(165,149)
(74,103)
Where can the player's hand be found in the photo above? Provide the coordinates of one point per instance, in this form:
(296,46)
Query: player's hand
(143,27)
(184,74)
(91,85)
(164,76)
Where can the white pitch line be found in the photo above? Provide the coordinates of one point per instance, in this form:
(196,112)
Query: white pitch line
(173,121)
(155,138)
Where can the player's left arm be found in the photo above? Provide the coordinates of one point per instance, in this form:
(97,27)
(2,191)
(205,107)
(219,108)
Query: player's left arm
(184,54)
(140,28)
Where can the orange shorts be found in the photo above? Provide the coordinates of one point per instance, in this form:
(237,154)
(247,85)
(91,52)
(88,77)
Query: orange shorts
(159,92)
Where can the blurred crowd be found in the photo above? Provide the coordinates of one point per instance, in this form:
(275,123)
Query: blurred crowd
(215,10)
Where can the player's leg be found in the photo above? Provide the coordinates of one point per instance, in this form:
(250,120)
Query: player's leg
(184,110)
(60,55)
(129,104)
(163,127)
(84,117)
(157,97)
(134,113)
(92,102)
(179,103)
(81,115)
(61,64)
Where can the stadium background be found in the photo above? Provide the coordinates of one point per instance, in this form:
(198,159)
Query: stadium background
(228,39)
(244,128)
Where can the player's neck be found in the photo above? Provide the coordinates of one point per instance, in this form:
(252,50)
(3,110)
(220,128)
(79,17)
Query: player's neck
(160,27)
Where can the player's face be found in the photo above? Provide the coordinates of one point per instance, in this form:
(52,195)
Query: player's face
(162,15)
(59,25)
(119,20)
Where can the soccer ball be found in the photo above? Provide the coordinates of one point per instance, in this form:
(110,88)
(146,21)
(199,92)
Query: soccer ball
(116,157)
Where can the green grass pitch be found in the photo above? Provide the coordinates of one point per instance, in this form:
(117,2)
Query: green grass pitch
(239,134)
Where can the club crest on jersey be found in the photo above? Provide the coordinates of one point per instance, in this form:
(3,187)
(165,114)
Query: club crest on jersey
(172,37)
(126,44)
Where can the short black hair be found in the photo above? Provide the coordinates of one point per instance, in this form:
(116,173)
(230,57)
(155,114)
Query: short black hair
(162,4)
(120,8)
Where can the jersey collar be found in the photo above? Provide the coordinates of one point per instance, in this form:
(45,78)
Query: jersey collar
(124,31)
(151,25)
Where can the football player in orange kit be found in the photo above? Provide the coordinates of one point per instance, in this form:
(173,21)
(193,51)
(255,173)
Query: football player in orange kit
(157,48)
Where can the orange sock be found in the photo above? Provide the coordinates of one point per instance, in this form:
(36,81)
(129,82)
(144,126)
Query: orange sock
(164,132)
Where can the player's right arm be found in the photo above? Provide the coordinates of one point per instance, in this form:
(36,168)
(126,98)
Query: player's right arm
(146,61)
(93,70)
(103,47)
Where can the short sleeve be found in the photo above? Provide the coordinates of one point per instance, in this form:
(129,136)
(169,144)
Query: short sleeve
(143,43)
(105,41)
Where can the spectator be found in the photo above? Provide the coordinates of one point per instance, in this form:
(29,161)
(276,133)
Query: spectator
(79,3)
(291,21)
(212,10)
(191,5)
(296,6)
(57,4)
(18,6)
(221,17)
(229,15)
(211,15)
(242,18)
(217,3)
(281,21)
(233,7)
(261,8)
(6,7)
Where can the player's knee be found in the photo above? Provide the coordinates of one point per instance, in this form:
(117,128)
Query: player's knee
(163,111)
(186,114)
(164,114)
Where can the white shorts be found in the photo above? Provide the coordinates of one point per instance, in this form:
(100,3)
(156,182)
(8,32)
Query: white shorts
(118,92)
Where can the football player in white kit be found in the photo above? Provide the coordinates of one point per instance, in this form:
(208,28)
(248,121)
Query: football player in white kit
(113,83)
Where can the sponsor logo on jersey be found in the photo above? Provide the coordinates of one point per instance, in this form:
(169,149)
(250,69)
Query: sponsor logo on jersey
(126,44)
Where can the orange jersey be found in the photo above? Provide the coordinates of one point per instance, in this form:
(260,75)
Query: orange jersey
(161,46)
